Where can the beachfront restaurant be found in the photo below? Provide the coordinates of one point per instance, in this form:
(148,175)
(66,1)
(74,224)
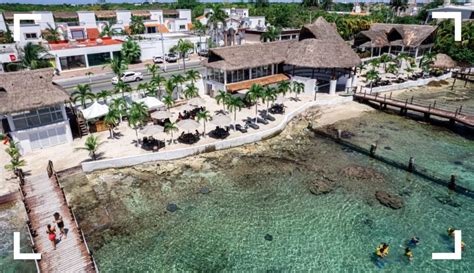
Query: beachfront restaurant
(415,40)
(33,111)
(320,59)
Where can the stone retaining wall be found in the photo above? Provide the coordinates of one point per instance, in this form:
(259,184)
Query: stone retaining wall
(218,145)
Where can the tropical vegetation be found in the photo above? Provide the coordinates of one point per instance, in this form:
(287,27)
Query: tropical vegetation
(91,145)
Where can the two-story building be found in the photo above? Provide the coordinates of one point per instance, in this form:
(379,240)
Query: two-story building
(32,109)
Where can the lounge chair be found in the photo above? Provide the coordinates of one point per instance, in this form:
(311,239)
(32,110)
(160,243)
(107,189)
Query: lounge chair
(239,127)
(261,120)
(250,123)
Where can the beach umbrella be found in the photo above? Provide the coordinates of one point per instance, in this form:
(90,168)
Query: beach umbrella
(221,120)
(188,124)
(197,101)
(152,130)
(161,115)
(186,107)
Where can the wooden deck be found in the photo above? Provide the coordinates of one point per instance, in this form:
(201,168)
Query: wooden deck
(384,101)
(43,197)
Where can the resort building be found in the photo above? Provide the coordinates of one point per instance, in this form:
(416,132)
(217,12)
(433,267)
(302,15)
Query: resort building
(32,109)
(467,11)
(8,54)
(414,40)
(320,58)
(254,35)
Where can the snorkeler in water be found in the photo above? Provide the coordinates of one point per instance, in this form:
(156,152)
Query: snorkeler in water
(382,250)
(414,241)
(451,232)
(409,254)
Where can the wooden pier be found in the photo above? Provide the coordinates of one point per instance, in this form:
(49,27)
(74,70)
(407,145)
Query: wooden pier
(457,115)
(43,196)
(463,76)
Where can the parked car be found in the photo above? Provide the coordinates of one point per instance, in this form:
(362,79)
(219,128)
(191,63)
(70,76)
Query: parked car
(158,59)
(203,52)
(171,57)
(128,76)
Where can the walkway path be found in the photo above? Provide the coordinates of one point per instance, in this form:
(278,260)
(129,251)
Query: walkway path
(44,197)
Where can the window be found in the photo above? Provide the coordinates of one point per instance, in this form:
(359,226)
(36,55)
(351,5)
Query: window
(151,30)
(78,34)
(98,58)
(72,62)
(31,36)
(182,27)
(39,117)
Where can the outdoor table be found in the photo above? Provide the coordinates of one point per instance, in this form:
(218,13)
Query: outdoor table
(188,138)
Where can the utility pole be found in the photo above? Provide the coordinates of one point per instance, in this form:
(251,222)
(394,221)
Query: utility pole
(162,43)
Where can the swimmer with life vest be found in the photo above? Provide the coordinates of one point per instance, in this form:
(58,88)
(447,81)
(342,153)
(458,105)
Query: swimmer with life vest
(382,250)
(409,254)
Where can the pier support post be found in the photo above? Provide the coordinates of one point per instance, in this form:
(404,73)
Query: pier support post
(452,183)
(339,133)
(411,164)
(373,148)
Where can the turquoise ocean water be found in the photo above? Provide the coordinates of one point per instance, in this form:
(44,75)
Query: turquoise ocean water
(337,232)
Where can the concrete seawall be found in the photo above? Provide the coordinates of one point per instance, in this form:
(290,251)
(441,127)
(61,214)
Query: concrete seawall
(218,145)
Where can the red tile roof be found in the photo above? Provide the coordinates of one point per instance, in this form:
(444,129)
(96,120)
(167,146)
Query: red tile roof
(84,43)
(93,33)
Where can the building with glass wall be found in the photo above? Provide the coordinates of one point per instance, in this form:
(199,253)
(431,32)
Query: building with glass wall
(33,111)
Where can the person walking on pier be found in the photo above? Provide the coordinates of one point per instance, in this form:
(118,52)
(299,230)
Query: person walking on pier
(58,219)
(51,231)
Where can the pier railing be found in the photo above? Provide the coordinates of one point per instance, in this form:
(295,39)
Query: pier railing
(448,181)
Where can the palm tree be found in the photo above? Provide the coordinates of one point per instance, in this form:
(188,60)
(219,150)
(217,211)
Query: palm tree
(204,116)
(178,79)
(158,80)
(199,29)
(271,34)
(31,57)
(137,26)
(111,120)
(427,60)
(253,95)
(361,67)
(399,5)
(82,94)
(183,47)
(392,68)
(168,101)
(137,116)
(297,88)
(191,91)
(122,87)
(170,85)
(384,59)
(283,87)
(401,57)
(268,95)
(375,63)
(89,75)
(371,76)
(327,4)
(171,127)
(192,75)
(118,64)
(218,16)
(235,104)
(51,33)
(107,31)
(12,150)
(15,163)
(91,145)
(103,95)
(152,69)
(120,105)
(223,97)
(131,51)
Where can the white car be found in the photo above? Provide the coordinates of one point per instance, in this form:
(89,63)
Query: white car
(158,59)
(128,76)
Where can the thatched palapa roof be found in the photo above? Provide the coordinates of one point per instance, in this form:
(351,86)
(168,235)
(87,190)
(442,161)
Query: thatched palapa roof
(371,38)
(65,15)
(24,90)
(320,46)
(105,14)
(443,61)
(321,53)
(141,13)
(8,15)
(411,35)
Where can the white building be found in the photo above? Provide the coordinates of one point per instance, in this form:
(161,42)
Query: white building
(34,109)
(467,11)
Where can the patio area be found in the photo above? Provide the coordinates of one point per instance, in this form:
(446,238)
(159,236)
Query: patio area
(124,143)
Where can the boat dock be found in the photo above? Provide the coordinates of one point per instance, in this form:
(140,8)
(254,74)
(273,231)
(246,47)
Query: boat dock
(458,115)
(43,196)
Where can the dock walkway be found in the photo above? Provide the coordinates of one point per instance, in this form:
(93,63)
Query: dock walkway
(43,196)
(453,116)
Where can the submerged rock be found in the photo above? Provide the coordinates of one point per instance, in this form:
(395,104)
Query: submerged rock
(457,162)
(387,148)
(447,201)
(171,207)
(347,134)
(361,172)
(318,187)
(389,200)
(204,190)
(268,237)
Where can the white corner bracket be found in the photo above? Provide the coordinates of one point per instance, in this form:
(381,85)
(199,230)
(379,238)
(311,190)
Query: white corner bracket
(16,250)
(457,250)
(16,23)
(456,15)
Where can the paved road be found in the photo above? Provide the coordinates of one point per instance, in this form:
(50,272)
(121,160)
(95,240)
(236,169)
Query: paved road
(103,81)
